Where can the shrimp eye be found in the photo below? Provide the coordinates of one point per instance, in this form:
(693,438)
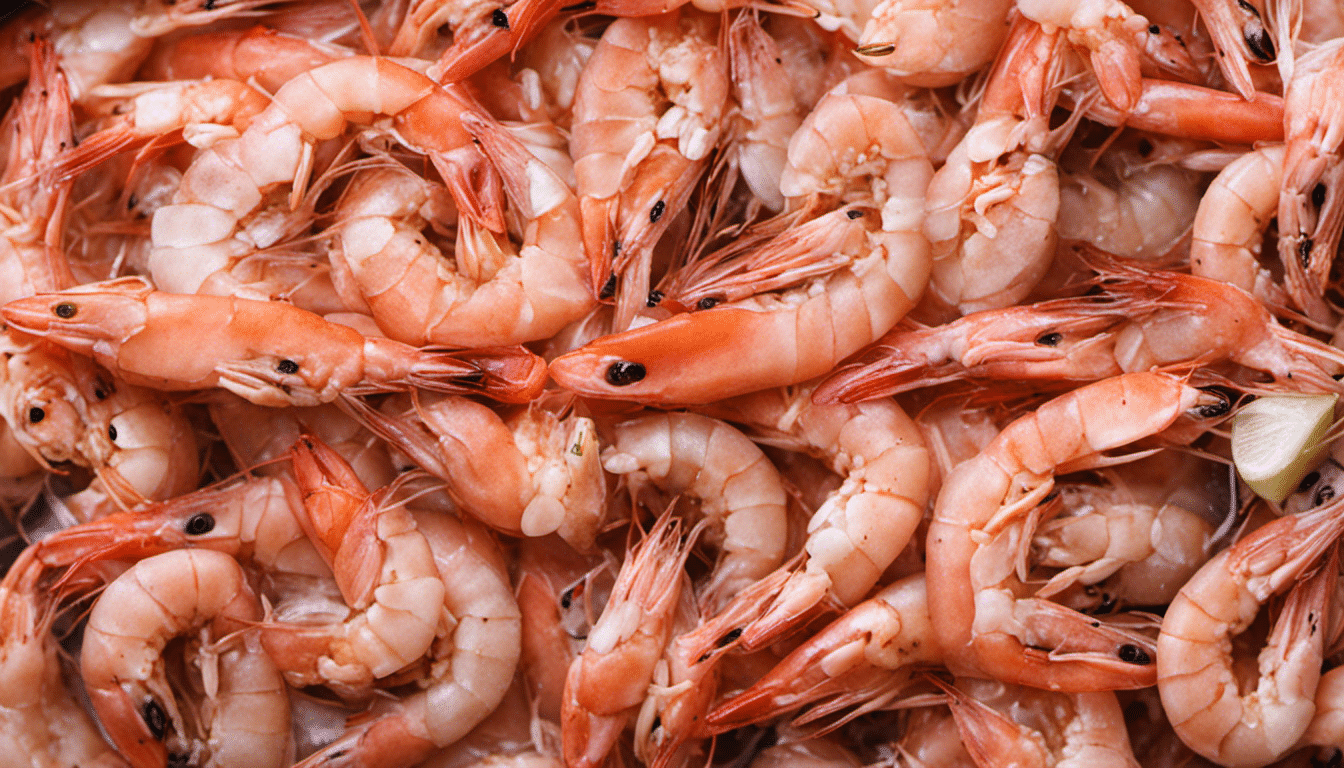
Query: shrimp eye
(1318,195)
(36,414)
(1133,654)
(287,367)
(499,18)
(854,213)
(1145,147)
(709,302)
(1261,46)
(1326,493)
(1153,29)
(155,719)
(65,310)
(655,296)
(659,208)
(1050,339)
(112,432)
(199,524)
(608,288)
(1311,479)
(621,373)
(1211,410)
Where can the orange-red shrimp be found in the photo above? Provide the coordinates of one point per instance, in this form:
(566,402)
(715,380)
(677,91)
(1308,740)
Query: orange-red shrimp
(1240,37)
(985,618)
(1239,723)
(258,54)
(1230,223)
(121,661)
(1311,209)
(269,352)
(1197,112)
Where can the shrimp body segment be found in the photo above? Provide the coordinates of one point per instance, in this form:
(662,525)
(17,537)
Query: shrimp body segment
(268,352)
(1230,223)
(986,620)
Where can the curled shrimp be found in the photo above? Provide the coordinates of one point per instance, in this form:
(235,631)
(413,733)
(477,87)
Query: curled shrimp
(532,474)
(1311,211)
(252,348)
(1230,223)
(738,488)
(954,38)
(1212,712)
(837,281)
(121,661)
(985,620)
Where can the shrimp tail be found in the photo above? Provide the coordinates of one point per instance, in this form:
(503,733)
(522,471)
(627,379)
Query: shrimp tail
(990,737)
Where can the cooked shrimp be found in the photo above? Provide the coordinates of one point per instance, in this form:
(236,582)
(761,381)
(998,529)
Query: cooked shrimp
(933,43)
(984,621)
(1038,728)
(1240,37)
(471,664)
(496,295)
(1196,112)
(613,673)
(261,55)
(163,597)
(1214,713)
(553,582)
(766,108)
(254,349)
(384,570)
(97,42)
(1230,223)
(885,466)
(1311,210)
(854,149)
(991,209)
(739,490)
(861,659)
(635,159)
(532,474)
(492,30)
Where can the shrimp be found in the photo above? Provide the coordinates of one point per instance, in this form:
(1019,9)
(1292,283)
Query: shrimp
(254,349)
(1195,112)
(991,209)
(984,622)
(471,664)
(384,570)
(1230,223)
(162,597)
(1039,728)
(634,163)
(861,527)
(862,660)
(767,109)
(739,490)
(97,43)
(613,673)
(955,38)
(1240,37)
(266,57)
(858,148)
(490,32)
(532,474)
(1311,211)
(1212,712)
(494,296)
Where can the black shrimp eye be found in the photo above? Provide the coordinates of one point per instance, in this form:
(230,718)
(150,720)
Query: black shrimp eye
(1318,195)
(200,523)
(287,367)
(155,719)
(1219,408)
(1153,29)
(65,310)
(655,297)
(854,213)
(1311,479)
(622,372)
(36,414)
(1050,339)
(499,18)
(1323,494)
(657,213)
(112,432)
(1133,654)
(709,302)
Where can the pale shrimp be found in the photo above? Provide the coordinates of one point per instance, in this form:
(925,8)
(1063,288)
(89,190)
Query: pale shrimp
(496,295)
(1326,728)
(984,619)
(1196,112)
(97,42)
(121,661)
(739,490)
(531,474)
(1214,713)
(612,675)
(384,570)
(144,113)
(259,55)
(254,349)
(649,109)
(860,267)
(991,209)
(767,111)
(1240,37)
(931,740)
(1311,210)
(860,529)
(859,661)
(36,128)
(933,43)
(1230,223)
(42,725)
(471,664)
(1005,725)
(1143,319)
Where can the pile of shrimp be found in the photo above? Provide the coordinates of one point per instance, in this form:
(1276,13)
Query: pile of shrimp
(732,384)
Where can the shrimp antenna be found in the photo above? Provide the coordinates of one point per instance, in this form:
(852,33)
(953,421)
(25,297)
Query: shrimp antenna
(366,30)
